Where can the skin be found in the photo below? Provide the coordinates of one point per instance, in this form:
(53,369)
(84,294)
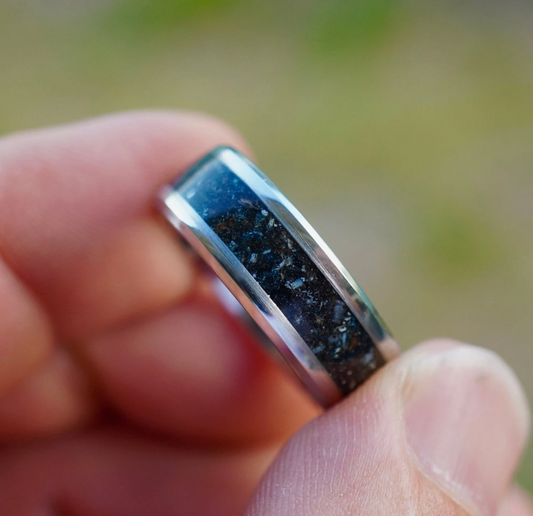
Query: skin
(126,390)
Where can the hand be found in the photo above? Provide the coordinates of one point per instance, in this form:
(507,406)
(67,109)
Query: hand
(126,391)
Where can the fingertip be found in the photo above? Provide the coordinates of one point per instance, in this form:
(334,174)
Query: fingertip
(69,193)
(437,431)
(466,422)
(68,185)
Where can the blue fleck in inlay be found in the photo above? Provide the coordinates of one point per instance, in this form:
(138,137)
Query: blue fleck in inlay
(284,271)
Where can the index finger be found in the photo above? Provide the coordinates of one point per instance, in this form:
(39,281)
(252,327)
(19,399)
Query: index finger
(73,213)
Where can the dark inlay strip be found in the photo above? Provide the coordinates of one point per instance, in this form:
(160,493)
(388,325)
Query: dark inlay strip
(285,272)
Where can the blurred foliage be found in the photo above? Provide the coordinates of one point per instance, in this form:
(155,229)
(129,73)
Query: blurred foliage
(408,122)
(156,17)
(456,244)
(343,25)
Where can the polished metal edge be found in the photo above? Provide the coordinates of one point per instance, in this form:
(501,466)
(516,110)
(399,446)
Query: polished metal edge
(252,297)
(313,245)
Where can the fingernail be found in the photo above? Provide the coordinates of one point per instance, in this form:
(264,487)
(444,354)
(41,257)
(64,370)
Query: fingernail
(467,422)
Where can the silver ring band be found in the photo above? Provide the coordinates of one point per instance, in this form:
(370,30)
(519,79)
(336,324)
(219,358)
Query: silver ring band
(281,272)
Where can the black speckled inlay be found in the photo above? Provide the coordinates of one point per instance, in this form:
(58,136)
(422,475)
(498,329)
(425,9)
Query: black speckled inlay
(285,272)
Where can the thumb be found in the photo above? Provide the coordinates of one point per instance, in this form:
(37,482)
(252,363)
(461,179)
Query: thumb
(437,432)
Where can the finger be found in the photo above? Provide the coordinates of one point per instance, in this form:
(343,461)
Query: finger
(439,431)
(136,271)
(120,474)
(516,503)
(25,333)
(69,198)
(56,398)
(192,372)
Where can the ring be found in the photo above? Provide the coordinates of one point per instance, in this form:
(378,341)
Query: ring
(282,273)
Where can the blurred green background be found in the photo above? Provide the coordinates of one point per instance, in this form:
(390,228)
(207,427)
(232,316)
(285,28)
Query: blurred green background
(403,130)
